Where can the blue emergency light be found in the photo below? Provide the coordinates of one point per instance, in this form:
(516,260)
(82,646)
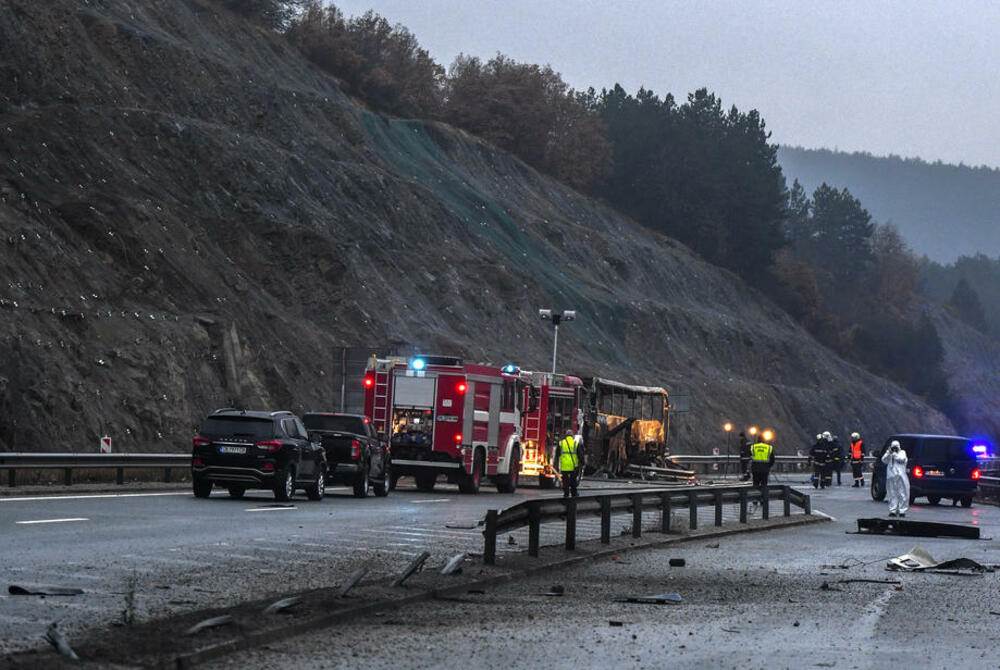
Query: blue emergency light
(418,364)
(509,369)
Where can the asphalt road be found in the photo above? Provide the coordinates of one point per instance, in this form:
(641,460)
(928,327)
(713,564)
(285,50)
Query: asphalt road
(179,553)
(749,601)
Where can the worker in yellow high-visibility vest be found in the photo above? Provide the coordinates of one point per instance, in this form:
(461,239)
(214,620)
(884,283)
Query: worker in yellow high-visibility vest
(761,460)
(569,461)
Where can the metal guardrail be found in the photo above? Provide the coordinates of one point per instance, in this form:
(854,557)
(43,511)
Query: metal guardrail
(731,463)
(989,490)
(12,462)
(533,513)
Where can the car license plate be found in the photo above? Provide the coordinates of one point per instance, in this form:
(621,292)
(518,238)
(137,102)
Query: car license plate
(934,473)
(232,450)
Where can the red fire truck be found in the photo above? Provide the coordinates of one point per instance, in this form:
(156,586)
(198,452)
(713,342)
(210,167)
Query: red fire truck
(553,406)
(442,416)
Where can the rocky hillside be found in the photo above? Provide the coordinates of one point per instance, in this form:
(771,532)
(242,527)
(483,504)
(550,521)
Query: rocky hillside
(193,216)
(972,364)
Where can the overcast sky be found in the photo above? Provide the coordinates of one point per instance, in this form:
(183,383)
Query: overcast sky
(915,78)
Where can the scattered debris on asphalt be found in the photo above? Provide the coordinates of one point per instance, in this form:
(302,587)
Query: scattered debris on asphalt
(919,560)
(454,565)
(616,624)
(463,526)
(660,599)
(55,637)
(825,586)
(713,546)
(917,528)
(214,622)
(677,562)
(416,564)
(282,605)
(353,580)
(868,581)
(37,590)
(477,592)
(555,590)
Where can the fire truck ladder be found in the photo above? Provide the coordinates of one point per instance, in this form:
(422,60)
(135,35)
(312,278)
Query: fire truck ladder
(380,409)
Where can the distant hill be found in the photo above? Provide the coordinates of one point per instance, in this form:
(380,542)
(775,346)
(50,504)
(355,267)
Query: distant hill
(944,211)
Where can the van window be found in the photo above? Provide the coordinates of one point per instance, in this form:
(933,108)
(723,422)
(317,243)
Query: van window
(943,450)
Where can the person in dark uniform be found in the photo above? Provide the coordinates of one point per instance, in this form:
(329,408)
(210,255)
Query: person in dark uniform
(744,457)
(836,457)
(818,455)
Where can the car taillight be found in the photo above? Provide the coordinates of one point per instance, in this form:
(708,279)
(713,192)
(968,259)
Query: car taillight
(918,471)
(197,462)
(369,381)
(270,445)
(200,441)
(267,467)
(458,438)
(355,450)
(976,474)
(461,388)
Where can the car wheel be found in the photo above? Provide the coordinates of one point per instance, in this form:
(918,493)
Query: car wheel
(934,500)
(967,501)
(361,484)
(384,485)
(284,485)
(318,488)
(202,488)
(237,491)
(469,484)
(508,483)
(426,482)
(878,489)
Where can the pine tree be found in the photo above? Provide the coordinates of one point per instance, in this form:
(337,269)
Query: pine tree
(967,306)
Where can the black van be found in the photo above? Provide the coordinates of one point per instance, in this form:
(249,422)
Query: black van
(939,466)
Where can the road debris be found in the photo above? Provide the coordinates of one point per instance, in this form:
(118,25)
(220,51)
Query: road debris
(616,624)
(677,562)
(282,605)
(660,599)
(919,560)
(38,590)
(214,622)
(916,528)
(825,586)
(713,546)
(454,565)
(415,565)
(352,581)
(556,590)
(868,581)
(55,637)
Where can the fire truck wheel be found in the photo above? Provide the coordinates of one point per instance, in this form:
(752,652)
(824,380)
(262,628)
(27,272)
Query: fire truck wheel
(470,483)
(508,483)
(426,482)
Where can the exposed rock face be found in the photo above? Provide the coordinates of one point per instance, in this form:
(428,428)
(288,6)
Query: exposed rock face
(194,216)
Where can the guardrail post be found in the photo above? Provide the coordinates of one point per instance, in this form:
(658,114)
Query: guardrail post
(12,478)
(743,506)
(570,524)
(605,520)
(119,476)
(636,515)
(664,512)
(786,496)
(534,523)
(490,538)
(718,508)
(166,475)
(692,510)
(807,505)
(68,476)
(765,502)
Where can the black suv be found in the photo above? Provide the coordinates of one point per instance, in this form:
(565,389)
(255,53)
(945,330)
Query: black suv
(240,449)
(355,454)
(939,466)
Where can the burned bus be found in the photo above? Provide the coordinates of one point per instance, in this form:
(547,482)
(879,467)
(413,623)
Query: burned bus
(625,425)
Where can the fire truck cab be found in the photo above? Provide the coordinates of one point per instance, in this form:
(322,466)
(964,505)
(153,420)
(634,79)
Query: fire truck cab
(552,406)
(442,416)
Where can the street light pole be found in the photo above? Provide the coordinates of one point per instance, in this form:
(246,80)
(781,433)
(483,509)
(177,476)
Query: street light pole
(728,427)
(556,318)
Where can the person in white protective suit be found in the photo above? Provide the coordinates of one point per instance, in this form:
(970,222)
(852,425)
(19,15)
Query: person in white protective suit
(897,483)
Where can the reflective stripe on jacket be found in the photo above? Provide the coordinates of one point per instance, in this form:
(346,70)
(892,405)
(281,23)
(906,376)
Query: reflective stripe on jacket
(568,460)
(761,452)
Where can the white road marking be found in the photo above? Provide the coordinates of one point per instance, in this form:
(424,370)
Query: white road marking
(269,509)
(436,500)
(96,495)
(66,520)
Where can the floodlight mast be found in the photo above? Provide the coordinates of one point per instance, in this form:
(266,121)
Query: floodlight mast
(556,318)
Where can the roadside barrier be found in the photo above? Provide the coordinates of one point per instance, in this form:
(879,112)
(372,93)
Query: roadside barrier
(12,462)
(533,513)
